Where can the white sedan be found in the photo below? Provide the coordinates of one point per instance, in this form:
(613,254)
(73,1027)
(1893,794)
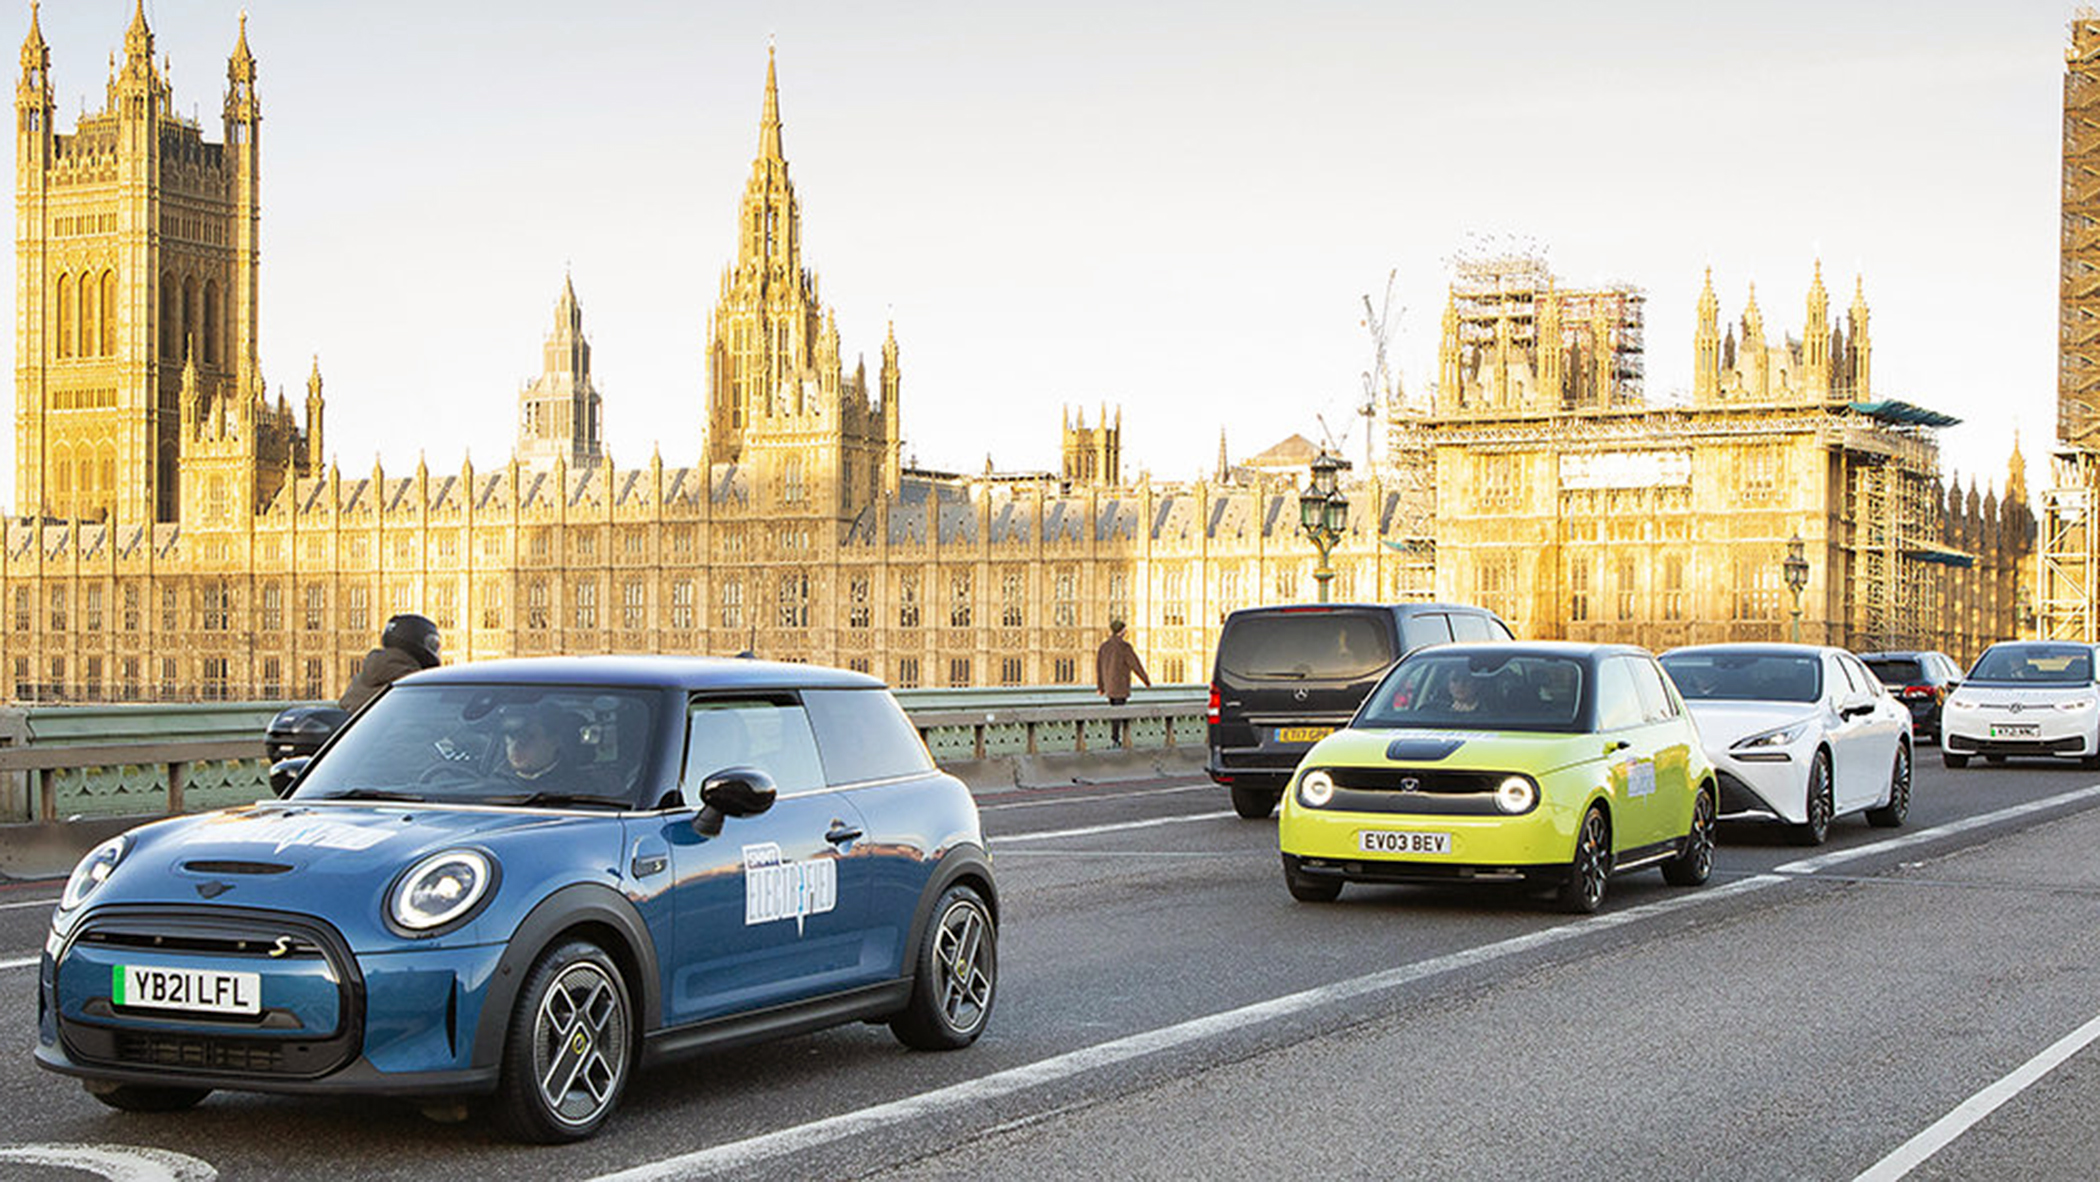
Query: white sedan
(1798,733)
(2025,697)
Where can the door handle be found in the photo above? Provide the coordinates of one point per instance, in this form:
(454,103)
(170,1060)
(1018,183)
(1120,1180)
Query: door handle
(841,833)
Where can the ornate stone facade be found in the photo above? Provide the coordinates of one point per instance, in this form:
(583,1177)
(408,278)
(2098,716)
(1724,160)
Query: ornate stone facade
(209,554)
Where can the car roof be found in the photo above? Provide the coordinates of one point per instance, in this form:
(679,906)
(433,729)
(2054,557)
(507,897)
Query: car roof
(1502,649)
(1405,608)
(1771,647)
(646,672)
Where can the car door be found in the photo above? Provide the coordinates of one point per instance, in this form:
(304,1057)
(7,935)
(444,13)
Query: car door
(767,911)
(1857,735)
(1669,740)
(1622,726)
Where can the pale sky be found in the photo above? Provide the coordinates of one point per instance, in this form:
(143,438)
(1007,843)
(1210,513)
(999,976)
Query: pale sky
(1172,208)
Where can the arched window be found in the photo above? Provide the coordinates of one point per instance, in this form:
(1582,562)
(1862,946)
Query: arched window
(211,323)
(169,325)
(90,315)
(109,470)
(65,316)
(61,473)
(109,313)
(189,319)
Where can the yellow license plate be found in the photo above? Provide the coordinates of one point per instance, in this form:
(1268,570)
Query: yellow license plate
(1302,734)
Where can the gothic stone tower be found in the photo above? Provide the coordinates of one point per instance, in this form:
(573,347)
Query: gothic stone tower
(560,416)
(813,440)
(136,260)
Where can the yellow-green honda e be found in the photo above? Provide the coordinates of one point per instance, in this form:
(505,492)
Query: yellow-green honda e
(1557,765)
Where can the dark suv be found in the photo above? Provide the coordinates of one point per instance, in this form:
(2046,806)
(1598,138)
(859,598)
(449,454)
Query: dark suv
(1921,681)
(1285,676)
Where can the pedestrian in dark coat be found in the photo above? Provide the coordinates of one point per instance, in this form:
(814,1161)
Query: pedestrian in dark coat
(1115,663)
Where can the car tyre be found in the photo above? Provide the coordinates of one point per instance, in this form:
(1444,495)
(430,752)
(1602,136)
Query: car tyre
(1583,892)
(145,1098)
(1891,814)
(570,1046)
(1694,862)
(955,975)
(1255,804)
(1310,888)
(1950,759)
(1819,806)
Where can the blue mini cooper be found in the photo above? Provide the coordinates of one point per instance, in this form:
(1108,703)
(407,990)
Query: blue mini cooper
(529,879)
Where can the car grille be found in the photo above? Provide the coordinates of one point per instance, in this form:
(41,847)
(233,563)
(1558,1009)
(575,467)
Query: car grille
(224,932)
(1414,791)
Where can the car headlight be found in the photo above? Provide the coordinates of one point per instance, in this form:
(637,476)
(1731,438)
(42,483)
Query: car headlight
(1773,741)
(1960,703)
(93,871)
(2076,704)
(1516,794)
(1316,789)
(441,888)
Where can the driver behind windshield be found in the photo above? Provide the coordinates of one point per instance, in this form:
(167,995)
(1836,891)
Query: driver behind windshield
(543,751)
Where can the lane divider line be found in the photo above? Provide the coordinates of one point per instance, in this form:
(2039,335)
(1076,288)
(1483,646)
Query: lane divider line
(1811,865)
(1940,1133)
(50,902)
(20,962)
(1060,799)
(1116,827)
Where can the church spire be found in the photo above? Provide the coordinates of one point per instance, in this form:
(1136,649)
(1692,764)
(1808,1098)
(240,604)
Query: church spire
(769,123)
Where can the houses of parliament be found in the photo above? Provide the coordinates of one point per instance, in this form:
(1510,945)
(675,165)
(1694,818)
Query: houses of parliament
(179,535)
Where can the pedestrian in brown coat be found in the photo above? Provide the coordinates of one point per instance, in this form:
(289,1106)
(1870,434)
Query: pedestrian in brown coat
(1115,663)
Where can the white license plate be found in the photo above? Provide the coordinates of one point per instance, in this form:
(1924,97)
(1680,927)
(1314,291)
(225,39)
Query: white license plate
(2016,730)
(197,991)
(1387,841)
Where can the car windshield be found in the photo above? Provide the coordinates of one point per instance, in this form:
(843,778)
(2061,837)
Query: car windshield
(538,745)
(2035,664)
(1897,670)
(1738,676)
(1444,688)
(1312,645)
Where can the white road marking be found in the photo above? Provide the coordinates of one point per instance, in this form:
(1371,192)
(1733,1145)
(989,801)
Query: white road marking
(50,902)
(1056,796)
(118,1163)
(20,962)
(1937,1135)
(1089,830)
(737,1154)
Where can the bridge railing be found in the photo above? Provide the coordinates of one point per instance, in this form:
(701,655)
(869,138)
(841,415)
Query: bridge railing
(67,763)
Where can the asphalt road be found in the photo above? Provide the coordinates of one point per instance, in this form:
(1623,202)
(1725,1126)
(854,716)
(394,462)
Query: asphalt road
(1165,1009)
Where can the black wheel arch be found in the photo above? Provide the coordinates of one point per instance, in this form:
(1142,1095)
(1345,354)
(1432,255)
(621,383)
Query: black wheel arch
(965,864)
(589,911)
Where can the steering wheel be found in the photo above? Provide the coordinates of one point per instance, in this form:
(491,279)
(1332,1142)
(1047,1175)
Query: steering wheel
(439,773)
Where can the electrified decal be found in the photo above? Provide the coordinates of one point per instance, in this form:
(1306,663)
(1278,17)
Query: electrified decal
(774,889)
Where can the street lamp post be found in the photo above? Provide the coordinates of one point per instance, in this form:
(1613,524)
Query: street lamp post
(1796,566)
(1323,513)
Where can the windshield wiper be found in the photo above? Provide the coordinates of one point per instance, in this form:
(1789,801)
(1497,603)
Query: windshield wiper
(373,794)
(1300,674)
(558,799)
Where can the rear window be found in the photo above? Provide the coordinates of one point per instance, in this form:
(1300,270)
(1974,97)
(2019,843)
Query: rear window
(1425,629)
(1469,628)
(2044,664)
(863,735)
(1306,646)
(1897,670)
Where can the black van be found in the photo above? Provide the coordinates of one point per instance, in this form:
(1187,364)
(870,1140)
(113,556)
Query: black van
(1286,676)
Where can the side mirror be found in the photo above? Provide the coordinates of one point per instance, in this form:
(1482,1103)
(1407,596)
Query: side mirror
(285,773)
(732,792)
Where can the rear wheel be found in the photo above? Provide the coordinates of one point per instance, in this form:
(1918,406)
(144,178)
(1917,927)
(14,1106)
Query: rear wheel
(1307,888)
(1694,863)
(142,1098)
(1950,759)
(1891,814)
(954,977)
(1816,830)
(1583,892)
(1255,803)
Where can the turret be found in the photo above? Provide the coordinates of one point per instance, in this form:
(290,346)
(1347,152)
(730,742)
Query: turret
(243,114)
(892,420)
(315,405)
(1546,391)
(1755,361)
(1706,347)
(1862,345)
(1815,341)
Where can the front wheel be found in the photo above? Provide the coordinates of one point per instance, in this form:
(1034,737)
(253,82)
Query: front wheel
(144,1098)
(1255,803)
(1819,805)
(1309,888)
(1891,814)
(570,1043)
(1694,863)
(956,971)
(1952,760)
(1583,892)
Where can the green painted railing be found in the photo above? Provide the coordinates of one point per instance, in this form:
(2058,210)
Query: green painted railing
(62,763)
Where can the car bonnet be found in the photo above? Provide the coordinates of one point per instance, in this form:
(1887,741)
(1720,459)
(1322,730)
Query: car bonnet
(1455,748)
(1722,723)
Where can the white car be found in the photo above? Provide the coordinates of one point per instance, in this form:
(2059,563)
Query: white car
(2025,697)
(1798,733)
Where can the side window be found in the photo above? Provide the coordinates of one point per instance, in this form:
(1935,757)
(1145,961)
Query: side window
(1618,702)
(1501,630)
(1839,677)
(864,735)
(771,736)
(1468,627)
(1648,684)
(1425,628)
(1868,684)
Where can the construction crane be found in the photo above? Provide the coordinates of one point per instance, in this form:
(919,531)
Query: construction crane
(1380,321)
